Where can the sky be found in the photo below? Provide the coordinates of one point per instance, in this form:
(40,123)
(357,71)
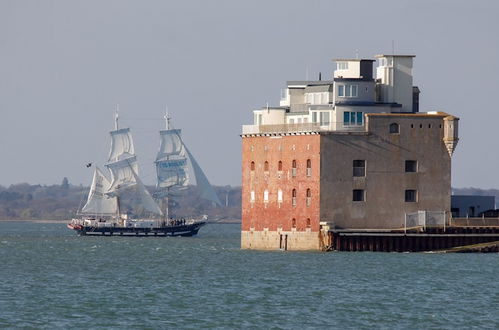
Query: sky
(64,65)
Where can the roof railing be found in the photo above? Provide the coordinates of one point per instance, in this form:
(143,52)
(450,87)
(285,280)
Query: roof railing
(302,128)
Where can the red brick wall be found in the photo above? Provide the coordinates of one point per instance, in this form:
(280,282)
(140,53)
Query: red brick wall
(271,215)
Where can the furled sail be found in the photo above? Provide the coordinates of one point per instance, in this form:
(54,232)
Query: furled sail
(171,162)
(98,202)
(122,161)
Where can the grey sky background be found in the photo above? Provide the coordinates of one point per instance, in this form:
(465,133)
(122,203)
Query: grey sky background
(65,64)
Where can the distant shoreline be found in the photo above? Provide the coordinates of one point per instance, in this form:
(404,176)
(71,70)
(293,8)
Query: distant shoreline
(34,220)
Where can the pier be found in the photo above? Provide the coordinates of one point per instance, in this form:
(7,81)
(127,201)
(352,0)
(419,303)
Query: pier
(415,240)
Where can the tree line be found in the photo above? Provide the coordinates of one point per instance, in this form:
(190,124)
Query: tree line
(62,201)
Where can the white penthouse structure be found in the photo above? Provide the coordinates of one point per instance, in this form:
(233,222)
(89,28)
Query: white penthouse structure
(340,103)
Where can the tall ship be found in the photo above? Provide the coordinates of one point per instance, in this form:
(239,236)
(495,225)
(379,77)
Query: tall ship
(102,214)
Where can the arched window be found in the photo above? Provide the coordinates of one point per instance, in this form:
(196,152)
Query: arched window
(309,167)
(308,223)
(279,166)
(266,166)
(252,196)
(293,199)
(252,166)
(293,167)
(279,196)
(309,197)
(266,196)
(293,223)
(394,128)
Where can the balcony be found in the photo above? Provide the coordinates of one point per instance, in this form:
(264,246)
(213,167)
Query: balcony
(301,128)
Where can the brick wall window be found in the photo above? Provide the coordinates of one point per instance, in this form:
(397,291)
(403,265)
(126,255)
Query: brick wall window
(252,166)
(279,166)
(411,196)
(359,195)
(293,197)
(293,223)
(309,167)
(394,128)
(293,167)
(266,166)
(411,166)
(308,223)
(279,196)
(309,197)
(252,196)
(359,167)
(266,196)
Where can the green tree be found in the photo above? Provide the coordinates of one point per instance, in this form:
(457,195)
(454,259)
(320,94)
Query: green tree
(65,183)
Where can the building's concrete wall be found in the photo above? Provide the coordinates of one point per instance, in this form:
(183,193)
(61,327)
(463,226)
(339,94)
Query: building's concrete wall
(260,215)
(365,91)
(274,240)
(396,81)
(296,95)
(353,70)
(386,181)
(273,116)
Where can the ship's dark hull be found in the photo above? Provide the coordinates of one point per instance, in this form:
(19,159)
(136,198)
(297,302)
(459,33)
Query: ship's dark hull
(173,230)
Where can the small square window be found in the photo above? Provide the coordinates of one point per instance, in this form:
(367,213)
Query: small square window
(358,195)
(411,195)
(359,168)
(411,166)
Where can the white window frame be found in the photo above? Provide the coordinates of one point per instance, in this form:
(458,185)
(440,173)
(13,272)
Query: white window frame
(322,116)
(342,65)
(348,90)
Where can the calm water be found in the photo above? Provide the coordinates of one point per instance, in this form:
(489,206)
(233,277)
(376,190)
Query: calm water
(51,278)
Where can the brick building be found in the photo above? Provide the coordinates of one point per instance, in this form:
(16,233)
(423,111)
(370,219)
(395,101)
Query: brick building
(351,153)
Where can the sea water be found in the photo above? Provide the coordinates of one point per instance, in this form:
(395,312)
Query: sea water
(52,278)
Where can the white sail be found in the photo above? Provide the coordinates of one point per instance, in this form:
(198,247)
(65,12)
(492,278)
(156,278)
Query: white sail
(122,161)
(98,202)
(147,202)
(170,143)
(121,145)
(124,174)
(171,163)
(206,190)
(172,172)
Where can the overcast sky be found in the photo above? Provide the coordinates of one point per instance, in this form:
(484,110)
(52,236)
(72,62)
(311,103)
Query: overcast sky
(64,65)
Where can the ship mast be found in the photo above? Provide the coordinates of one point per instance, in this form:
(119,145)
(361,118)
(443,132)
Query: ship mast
(166,201)
(116,126)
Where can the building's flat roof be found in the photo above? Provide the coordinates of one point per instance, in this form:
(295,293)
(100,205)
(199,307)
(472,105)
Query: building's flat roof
(305,83)
(366,103)
(391,55)
(272,108)
(411,114)
(354,79)
(353,59)
(318,88)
